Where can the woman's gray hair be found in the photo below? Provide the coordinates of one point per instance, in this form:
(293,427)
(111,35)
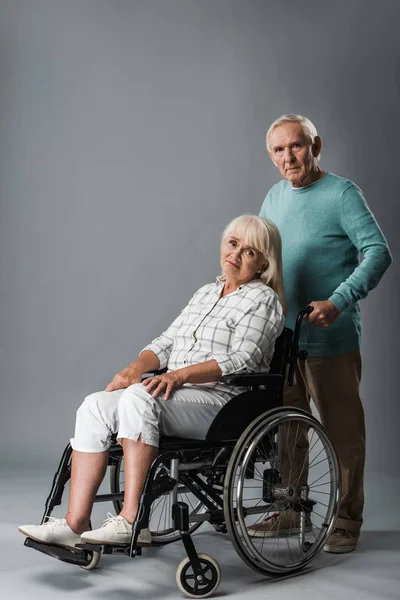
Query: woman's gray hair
(308,127)
(264,236)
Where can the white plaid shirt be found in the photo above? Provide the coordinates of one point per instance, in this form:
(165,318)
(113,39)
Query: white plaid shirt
(238,331)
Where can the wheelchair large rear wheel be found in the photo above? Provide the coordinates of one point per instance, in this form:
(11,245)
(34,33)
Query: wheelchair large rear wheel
(160,523)
(282,491)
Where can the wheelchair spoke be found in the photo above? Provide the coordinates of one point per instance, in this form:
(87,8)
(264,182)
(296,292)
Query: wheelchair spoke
(313,464)
(160,519)
(154,507)
(292,526)
(206,571)
(319,491)
(319,478)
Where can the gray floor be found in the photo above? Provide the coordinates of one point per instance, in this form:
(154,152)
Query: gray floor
(370,573)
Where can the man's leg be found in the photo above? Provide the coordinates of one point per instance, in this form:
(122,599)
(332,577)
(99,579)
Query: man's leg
(334,384)
(293,442)
(293,448)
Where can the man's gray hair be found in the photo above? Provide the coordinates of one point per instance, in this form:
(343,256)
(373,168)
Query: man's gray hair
(308,127)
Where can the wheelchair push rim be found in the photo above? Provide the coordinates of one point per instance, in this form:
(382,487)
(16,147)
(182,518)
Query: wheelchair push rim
(251,496)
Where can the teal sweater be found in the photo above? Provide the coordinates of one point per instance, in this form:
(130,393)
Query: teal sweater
(323,227)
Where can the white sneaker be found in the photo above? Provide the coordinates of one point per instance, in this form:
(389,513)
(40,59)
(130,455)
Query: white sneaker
(53,531)
(115,530)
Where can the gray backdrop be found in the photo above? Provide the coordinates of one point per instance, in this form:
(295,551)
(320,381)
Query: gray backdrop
(131,132)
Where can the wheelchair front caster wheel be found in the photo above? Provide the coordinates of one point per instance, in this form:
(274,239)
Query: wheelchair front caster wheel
(94,558)
(192,586)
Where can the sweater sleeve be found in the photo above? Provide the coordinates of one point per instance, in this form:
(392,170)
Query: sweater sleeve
(364,232)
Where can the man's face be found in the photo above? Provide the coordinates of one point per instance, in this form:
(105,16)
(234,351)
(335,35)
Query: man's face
(293,153)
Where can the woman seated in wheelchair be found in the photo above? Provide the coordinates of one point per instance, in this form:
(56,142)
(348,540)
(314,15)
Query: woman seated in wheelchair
(229,326)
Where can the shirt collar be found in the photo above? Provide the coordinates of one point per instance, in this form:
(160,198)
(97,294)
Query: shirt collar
(220,284)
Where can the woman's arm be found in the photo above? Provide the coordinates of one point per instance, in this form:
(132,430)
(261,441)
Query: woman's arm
(133,373)
(162,345)
(256,331)
(153,357)
(168,382)
(201,373)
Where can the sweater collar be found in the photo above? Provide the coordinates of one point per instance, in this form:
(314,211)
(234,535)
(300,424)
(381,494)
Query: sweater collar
(310,186)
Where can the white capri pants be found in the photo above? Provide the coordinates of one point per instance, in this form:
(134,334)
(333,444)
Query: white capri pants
(132,412)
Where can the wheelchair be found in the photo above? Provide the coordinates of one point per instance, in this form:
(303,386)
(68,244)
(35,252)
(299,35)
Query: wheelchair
(246,470)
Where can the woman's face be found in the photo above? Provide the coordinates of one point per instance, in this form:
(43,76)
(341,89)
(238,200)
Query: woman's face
(239,262)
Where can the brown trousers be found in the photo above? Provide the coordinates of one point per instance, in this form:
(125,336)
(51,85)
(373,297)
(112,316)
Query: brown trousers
(333,383)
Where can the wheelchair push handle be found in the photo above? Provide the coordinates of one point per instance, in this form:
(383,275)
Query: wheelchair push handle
(299,320)
(302,354)
(307,310)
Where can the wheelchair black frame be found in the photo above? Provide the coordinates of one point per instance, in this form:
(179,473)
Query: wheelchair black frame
(223,434)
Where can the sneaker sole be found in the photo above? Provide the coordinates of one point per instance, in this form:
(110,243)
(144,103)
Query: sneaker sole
(99,542)
(336,550)
(278,533)
(35,539)
(143,543)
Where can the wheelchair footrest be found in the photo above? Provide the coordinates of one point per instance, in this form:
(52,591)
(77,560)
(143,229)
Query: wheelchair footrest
(107,548)
(69,556)
(90,547)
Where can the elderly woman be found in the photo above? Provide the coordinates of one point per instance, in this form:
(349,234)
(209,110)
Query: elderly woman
(227,327)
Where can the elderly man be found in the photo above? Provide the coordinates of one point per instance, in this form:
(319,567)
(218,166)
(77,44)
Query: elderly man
(325,223)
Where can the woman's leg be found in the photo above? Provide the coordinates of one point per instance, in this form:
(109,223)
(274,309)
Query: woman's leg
(96,420)
(138,416)
(138,458)
(87,473)
(138,434)
(188,413)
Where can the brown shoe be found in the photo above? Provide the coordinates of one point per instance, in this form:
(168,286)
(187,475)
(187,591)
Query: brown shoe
(279,524)
(341,541)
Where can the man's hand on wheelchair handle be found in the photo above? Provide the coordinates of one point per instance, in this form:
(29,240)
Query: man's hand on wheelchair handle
(167,383)
(324,314)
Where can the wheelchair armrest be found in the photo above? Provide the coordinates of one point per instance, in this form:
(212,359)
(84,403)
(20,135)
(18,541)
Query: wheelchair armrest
(154,373)
(270,380)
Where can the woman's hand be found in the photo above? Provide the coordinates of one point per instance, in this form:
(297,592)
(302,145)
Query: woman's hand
(167,383)
(128,376)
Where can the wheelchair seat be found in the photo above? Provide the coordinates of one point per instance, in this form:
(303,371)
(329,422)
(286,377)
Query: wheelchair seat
(231,420)
(167,443)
